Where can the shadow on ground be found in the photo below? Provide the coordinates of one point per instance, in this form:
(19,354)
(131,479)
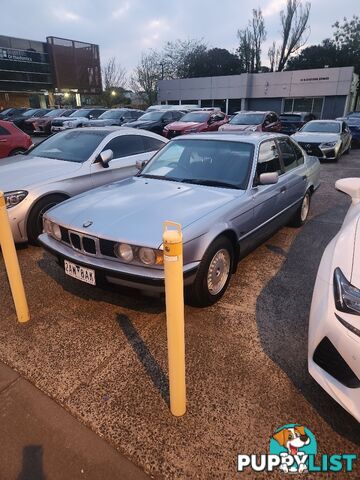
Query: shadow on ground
(32,463)
(118,296)
(282,315)
(151,366)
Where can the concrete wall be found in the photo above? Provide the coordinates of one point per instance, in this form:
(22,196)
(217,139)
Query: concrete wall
(325,82)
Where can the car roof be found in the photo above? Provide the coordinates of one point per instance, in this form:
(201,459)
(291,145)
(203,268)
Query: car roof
(248,137)
(326,121)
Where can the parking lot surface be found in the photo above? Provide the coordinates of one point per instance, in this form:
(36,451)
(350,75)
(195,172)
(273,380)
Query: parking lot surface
(102,354)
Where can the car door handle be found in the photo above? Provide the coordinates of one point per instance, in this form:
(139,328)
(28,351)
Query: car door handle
(283,189)
(3,141)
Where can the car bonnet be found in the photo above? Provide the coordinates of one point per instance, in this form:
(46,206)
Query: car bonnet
(133,210)
(24,172)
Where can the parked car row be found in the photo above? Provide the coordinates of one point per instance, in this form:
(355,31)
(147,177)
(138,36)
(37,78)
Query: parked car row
(83,193)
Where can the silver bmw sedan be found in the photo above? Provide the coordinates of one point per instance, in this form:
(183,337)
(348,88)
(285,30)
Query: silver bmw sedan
(228,191)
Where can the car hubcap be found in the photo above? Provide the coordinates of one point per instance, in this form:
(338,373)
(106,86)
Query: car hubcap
(218,272)
(305,208)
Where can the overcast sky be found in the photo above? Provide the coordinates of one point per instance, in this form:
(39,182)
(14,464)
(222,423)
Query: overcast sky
(125,28)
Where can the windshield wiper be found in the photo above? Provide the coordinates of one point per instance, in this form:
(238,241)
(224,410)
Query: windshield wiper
(210,183)
(159,177)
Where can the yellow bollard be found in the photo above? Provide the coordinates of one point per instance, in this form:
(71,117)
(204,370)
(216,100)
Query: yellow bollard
(174,296)
(12,264)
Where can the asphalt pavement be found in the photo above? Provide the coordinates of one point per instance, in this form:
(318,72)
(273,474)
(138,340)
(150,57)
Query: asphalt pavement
(102,356)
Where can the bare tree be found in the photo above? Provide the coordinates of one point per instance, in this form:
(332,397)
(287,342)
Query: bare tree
(259,36)
(178,55)
(273,55)
(250,41)
(245,50)
(295,30)
(146,75)
(114,75)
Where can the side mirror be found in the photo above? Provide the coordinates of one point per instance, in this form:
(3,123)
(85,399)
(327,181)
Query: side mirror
(269,178)
(140,164)
(105,157)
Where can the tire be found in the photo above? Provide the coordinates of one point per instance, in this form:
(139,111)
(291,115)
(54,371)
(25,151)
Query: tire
(34,225)
(219,254)
(302,212)
(17,151)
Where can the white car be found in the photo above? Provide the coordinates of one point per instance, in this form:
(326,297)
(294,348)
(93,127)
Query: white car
(79,118)
(66,164)
(334,330)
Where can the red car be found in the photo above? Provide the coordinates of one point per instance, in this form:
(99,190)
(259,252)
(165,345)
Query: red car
(12,140)
(196,121)
(253,122)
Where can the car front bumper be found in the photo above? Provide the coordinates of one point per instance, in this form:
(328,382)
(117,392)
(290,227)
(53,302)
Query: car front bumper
(333,354)
(322,153)
(113,271)
(17,220)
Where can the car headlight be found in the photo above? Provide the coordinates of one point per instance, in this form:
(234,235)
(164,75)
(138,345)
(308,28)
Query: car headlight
(328,144)
(140,255)
(125,252)
(14,198)
(52,229)
(147,256)
(347,297)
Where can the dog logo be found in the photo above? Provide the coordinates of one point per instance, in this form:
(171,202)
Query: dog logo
(294,443)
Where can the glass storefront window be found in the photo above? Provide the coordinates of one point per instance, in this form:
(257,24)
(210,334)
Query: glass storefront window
(305,104)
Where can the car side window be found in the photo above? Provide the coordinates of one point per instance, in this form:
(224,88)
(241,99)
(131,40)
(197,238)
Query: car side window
(268,159)
(126,145)
(177,115)
(3,131)
(152,144)
(272,118)
(344,127)
(298,152)
(288,154)
(167,117)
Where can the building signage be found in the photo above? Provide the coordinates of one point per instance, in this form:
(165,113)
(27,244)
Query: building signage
(18,55)
(314,79)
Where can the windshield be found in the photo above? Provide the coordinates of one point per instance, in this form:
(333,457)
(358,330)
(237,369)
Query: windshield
(71,146)
(290,118)
(7,110)
(195,117)
(83,112)
(321,127)
(151,116)
(112,114)
(247,119)
(29,113)
(204,162)
(54,113)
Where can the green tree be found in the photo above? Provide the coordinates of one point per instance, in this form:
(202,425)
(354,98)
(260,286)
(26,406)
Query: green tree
(177,56)
(214,62)
(347,39)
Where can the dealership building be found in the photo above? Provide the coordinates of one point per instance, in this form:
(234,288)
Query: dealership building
(327,92)
(56,72)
